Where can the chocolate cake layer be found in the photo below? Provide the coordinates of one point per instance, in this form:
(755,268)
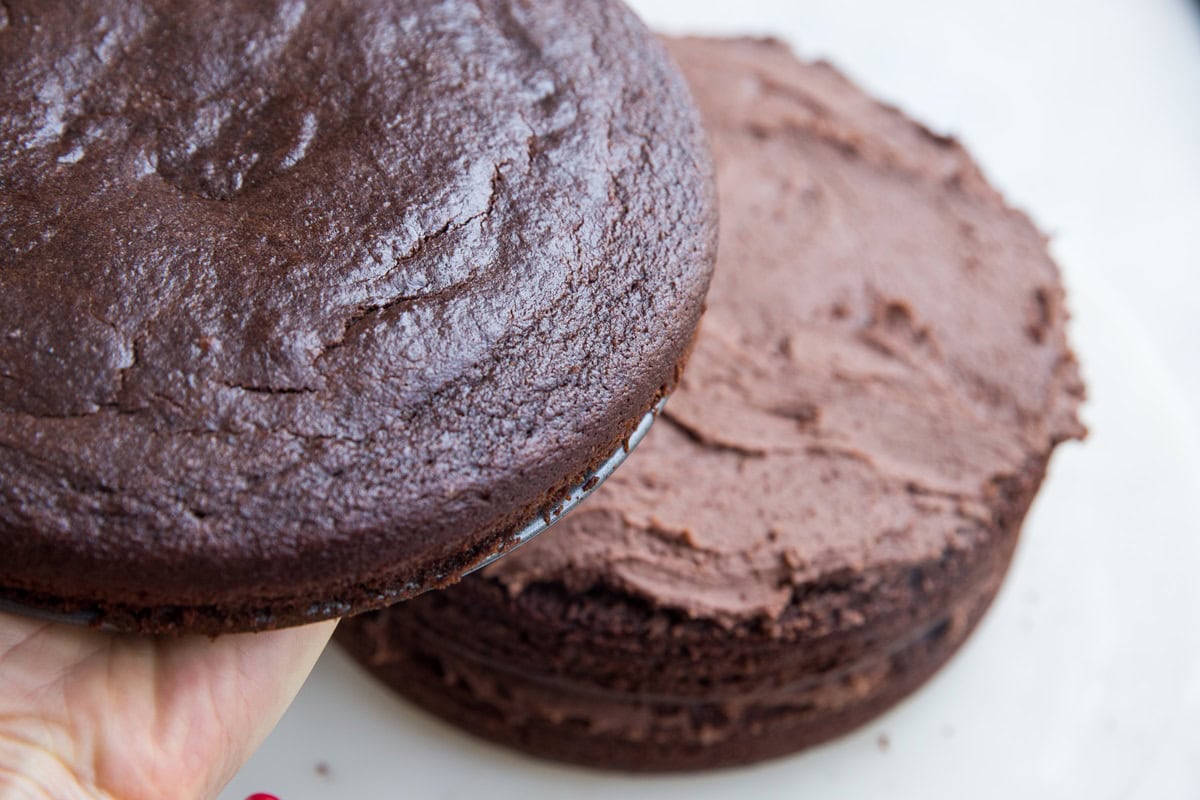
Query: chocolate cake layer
(306,307)
(834,493)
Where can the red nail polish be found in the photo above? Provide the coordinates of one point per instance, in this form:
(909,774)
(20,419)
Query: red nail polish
(262,796)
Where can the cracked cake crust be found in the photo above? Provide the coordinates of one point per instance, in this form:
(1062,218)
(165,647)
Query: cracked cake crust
(317,302)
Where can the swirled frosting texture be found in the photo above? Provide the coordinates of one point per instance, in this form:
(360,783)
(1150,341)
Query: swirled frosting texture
(883,352)
(299,293)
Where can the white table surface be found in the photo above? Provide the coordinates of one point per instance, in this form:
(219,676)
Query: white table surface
(1087,114)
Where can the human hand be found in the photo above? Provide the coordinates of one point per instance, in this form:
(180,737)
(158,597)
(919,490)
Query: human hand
(86,715)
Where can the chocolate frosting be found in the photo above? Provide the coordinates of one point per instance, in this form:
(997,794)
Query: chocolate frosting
(300,295)
(883,352)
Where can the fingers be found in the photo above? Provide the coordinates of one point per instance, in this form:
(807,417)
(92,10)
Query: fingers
(138,716)
(264,673)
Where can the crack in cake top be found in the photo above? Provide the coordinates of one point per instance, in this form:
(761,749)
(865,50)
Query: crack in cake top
(333,265)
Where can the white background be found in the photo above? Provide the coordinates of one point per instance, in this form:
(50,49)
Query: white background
(1087,114)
